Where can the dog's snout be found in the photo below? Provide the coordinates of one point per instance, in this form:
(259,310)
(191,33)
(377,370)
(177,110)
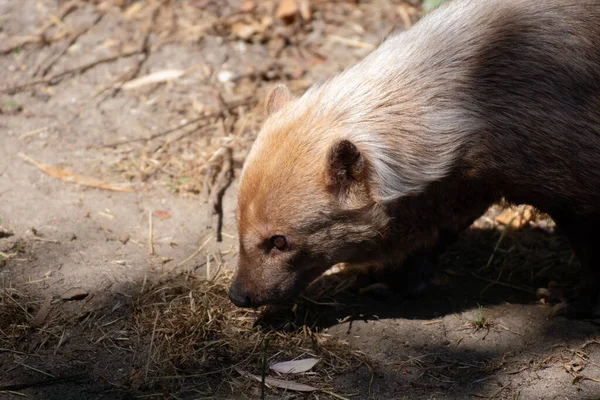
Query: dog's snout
(239,296)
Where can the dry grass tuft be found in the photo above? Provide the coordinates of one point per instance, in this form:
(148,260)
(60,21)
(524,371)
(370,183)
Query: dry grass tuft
(17,333)
(197,337)
(191,340)
(184,162)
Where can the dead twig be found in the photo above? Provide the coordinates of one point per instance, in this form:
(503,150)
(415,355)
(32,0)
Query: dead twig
(45,382)
(39,35)
(177,137)
(496,247)
(54,79)
(222,182)
(497,392)
(150,233)
(525,368)
(39,371)
(352,42)
(151,344)
(144,50)
(580,378)
(231,105)
(155,135)
(493,282)
(20,306)
(52,60)
(202,246)
(500,283)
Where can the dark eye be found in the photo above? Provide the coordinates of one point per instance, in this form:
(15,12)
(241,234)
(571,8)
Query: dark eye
(279,242)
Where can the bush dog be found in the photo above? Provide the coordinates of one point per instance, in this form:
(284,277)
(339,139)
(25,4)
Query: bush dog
(396,155)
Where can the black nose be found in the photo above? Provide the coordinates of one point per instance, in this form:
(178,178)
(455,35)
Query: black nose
(239,298)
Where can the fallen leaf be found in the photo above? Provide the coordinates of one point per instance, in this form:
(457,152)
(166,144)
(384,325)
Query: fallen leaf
(279,383)
(124,238)
(295,367)
(42,313)
(74,294)
(155,77)
(59,173)
(162,214)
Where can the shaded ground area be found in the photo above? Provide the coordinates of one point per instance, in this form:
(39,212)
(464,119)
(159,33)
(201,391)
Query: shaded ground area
(110,294)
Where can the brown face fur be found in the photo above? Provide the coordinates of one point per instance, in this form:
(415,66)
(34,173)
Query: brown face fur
(313,195)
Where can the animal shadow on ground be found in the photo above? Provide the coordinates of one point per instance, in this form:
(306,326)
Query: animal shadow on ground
(465,336)
(484,267)
(182,334)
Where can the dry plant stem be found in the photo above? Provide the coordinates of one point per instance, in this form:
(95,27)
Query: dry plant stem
(337,396)
(50,61)
(580,378)
(177,137)
(492,283)
(222,182)
(156,135)
(151,344)
(144,50)
(352,42)
(508,285)
(39,35)
(54,79)
(198,251)
(525,368)
(115,87)
(4,293)
(497,392)
(264,371)
(207,266)
(20,306)
(498,243)
(36,370)
(233,104)
(150,233)
(45,382)
(218,371)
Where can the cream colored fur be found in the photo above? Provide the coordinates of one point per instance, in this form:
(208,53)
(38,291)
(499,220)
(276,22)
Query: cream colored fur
(410,133)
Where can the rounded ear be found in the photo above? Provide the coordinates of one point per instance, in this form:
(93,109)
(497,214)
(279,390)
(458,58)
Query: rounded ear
(276,98)
(345,164)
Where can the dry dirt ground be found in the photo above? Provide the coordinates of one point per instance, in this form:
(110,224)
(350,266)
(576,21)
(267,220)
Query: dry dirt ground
(103,292)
